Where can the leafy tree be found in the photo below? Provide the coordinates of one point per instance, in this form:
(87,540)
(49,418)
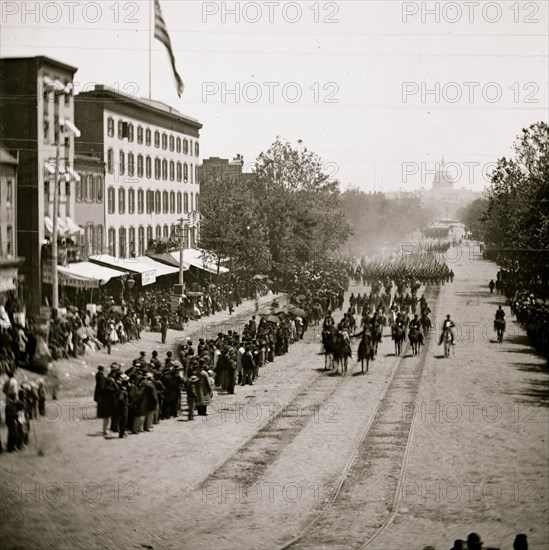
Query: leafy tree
(232,225)
(300,204)
(473,217)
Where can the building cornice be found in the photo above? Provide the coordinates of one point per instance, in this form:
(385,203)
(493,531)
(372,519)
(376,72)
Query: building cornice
(139,109)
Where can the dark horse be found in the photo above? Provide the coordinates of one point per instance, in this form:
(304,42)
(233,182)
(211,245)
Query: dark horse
(499,327)
(425,323)
(398,334)
(342,352)
(365,350)
(416,339)
(330,342)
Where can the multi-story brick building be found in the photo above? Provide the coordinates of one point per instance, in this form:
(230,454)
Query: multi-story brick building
(9,262)
(36,111)
(151,153)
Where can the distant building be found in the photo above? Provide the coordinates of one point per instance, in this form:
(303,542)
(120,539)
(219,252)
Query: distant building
(89,211)
(443,197)
(37,99)
(219,167)
(9,262)
(151,152)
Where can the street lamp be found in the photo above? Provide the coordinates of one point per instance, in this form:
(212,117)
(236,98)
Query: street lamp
(64,126)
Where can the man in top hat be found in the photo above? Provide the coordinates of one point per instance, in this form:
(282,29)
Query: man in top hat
(155,362)
(99,383)
(151,401)
(141,361)
(248,366)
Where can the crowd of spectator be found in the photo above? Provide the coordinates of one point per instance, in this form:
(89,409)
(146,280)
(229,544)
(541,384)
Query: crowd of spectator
(529,301)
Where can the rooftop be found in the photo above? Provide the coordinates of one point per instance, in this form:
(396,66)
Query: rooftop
(110,95)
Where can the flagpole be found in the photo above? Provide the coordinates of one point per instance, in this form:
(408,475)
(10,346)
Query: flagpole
(150,44)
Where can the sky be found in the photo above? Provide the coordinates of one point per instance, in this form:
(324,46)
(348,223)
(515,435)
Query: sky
(380,90)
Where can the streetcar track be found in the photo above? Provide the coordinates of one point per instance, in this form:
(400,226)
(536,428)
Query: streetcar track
(374,449)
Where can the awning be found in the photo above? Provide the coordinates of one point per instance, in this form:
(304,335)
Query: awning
(73,227)
(168,259)
(195,258)
(81,274)
(133,265)
(161,269)
(62,229)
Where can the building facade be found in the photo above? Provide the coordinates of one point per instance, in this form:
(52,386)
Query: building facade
(9,262)
(151,153)
(219,167)
(36,114)
(89,211)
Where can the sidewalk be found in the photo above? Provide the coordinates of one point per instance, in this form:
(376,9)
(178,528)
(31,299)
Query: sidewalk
(76,376)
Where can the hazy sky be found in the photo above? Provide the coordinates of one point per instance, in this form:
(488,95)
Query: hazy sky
(344,77)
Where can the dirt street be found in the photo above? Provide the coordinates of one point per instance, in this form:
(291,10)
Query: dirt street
(420,450)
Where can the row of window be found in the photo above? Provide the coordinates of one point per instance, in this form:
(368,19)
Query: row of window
(163,169)
(128,246)
(9,192)
(156,202)
(168,142)
(89,188)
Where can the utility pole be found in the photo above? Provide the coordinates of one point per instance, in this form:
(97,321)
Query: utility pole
(63,126)
(181,246)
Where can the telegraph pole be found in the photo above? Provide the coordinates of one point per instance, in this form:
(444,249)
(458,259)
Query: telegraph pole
(181,247)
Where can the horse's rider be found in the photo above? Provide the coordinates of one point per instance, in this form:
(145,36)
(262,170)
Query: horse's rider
(328,321)
(447,325)
(414,323)
(345,334)
(500,314)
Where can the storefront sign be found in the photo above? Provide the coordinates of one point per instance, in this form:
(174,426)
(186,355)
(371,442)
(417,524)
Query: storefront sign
(148,278)
(8,279)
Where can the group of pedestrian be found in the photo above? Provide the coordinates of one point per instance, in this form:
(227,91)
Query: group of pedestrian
(474,542)
(24,403)
(148,392)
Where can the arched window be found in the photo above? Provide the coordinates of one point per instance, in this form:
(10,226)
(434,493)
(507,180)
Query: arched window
(157,202)
(131,201)
(185,202)
(140,201)
(165,203)
(179,175)
(179,202)
(172,202)
(185,172)
(121,200)
(122,242)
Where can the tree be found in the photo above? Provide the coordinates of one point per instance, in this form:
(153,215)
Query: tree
(300,204)
(518,199)
(232,225)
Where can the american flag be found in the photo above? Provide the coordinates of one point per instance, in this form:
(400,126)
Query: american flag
(194,219)
(161,32)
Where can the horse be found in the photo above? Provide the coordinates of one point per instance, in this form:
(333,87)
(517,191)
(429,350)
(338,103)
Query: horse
(330,343)
(365,351)
(425,323)
(397,334)
(342,352)
(415,337)
(499,327)
(447,340)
